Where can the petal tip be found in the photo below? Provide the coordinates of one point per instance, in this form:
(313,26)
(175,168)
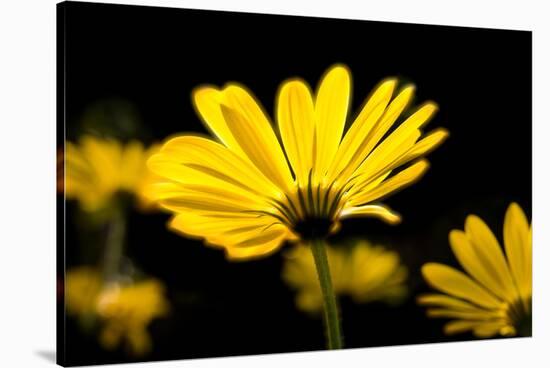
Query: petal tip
(338,68)
(396,220)
(427,269)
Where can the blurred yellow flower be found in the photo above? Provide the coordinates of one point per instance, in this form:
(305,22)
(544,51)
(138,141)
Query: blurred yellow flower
(124,310)
(365,272)
(493,297)
(98,168)
(82,286)
(127,311)
(241,194)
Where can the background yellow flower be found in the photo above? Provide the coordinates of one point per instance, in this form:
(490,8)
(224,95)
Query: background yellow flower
(493,297)
(124,311)
(98,168)
(240,193)
(127,310)
(364,271)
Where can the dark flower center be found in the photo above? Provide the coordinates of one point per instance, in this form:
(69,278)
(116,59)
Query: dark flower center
(313,227)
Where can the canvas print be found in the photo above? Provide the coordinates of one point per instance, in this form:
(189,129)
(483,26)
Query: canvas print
(238,184)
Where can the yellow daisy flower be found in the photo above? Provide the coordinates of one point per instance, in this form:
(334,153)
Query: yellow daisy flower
(493,297)
(124,310)
(98,168)
(365,272)
(127,310)
(252,190)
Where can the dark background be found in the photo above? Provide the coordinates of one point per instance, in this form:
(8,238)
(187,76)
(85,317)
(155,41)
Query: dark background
(149,59)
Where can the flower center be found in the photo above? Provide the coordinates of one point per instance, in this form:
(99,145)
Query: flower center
(313,228)
(519,314)
(312,211)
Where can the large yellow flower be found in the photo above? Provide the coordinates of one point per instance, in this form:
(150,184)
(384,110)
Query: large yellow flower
(98,168)
(365,272)
(248,193)
(494,295)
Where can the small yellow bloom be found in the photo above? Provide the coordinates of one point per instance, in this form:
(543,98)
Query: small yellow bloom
(124,311)
(98,168)
(494,295)
(364,272)
(253,189)
(82,286)
(127,311)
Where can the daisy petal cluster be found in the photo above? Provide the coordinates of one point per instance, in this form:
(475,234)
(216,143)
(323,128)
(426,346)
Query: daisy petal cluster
(493,295)
(255,186)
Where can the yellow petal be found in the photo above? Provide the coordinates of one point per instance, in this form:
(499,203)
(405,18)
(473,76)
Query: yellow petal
(352,150)
(460,326)
(75,159)
(382,212)
(490,254)
(207,101)
(480,328)
(296,118)
(173,196)
(396,138)
(426,145)
(242,236)
(489,329)
(310,301)
(391,114)
(478,314)
(193,178)
(196,160)
(251,235)
(257,139)
(399,181)
(466,254)
(380,163)
(264,247)
(132,167)
(331,109)
(202,202)
(447,302)
(518,245)
(257,237)
(374,272)
(104,158)
(78,173)
(455,283)
(212,224)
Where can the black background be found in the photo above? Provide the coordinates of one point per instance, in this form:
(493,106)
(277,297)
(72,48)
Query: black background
(153,57)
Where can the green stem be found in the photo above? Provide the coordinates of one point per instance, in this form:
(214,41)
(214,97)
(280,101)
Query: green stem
(114,244)
(331,319)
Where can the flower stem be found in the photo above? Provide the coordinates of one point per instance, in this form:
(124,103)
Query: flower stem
(114,244)
(331,319)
